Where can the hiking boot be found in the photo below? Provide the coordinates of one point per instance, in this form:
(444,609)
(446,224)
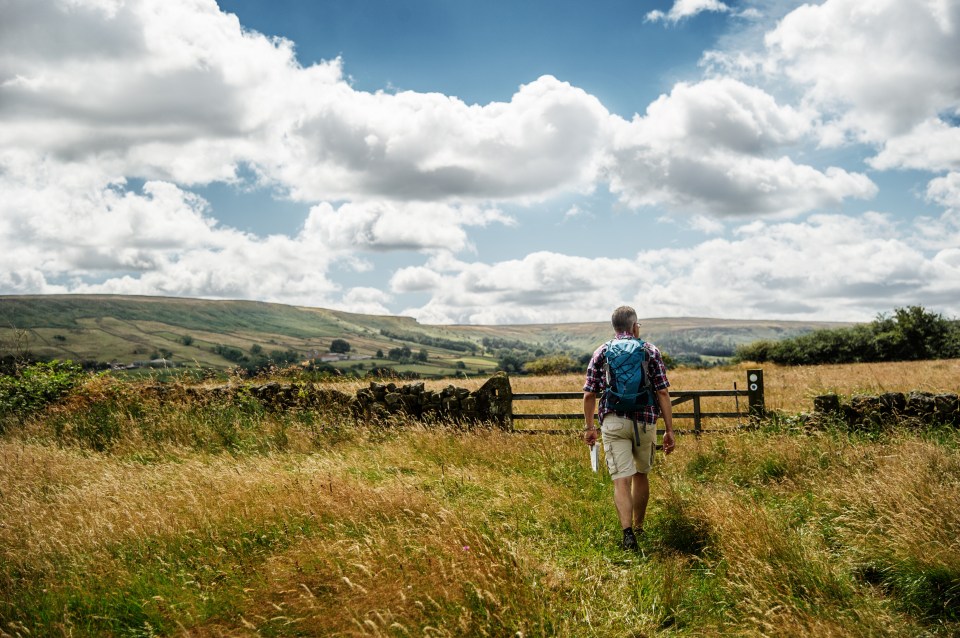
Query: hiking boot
(629,540)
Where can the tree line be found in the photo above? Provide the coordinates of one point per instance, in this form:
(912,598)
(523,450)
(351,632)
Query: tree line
(256,360)
(909,334)
(433,342)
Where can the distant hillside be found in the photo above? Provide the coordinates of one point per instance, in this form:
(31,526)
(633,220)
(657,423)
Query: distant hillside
(677,336)
(203,333)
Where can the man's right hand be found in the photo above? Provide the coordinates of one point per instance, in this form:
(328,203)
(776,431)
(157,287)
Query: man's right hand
(668,442)
(590,435)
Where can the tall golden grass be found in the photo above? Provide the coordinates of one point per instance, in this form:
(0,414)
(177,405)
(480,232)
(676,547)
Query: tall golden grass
(792,388)
(379,530)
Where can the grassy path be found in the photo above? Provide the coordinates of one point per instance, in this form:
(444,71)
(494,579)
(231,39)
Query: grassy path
(412,532)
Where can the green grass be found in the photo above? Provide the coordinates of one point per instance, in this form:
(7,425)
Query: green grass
(124,515)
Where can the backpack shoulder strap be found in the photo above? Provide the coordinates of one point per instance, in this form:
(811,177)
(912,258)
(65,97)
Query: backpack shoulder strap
(647,384)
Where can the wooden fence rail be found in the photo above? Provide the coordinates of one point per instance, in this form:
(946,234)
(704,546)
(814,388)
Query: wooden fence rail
(753,394)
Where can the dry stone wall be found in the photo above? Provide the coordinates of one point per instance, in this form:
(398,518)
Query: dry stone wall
(272,395)
(491,403)
(917,409)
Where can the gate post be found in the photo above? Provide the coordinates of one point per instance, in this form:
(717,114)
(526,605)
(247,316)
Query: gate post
(495,400)
(697,427)
(757,408)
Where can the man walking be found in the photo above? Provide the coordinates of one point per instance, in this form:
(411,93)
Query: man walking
(630,436)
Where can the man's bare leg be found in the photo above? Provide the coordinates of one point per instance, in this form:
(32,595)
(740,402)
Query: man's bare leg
(640,497)
(623,498)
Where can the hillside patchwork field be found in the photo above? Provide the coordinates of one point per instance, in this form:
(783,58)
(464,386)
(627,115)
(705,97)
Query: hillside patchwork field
(196,333)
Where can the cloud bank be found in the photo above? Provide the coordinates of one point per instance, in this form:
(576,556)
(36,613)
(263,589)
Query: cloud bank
(785,269)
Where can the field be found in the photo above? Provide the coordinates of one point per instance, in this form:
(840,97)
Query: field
(232,521)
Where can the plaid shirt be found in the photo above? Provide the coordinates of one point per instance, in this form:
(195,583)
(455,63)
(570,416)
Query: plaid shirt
(596,382)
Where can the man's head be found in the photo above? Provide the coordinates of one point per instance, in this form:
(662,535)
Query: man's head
(624,318)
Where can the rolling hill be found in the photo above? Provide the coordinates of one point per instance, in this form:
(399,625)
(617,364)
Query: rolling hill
(204,333)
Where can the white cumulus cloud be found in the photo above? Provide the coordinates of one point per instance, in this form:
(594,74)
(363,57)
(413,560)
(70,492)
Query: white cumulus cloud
(384,225)
(683,9)
(946,191)
(414,146)
(876,68)
(932,145)
(714,147)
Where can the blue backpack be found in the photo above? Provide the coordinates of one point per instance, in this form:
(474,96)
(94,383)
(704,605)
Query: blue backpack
(628,381)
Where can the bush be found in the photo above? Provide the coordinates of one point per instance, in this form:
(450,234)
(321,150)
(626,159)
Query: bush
(511,364)
(34,387)
(552,365)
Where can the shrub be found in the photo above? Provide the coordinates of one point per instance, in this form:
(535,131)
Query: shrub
(34,387)
(552,365)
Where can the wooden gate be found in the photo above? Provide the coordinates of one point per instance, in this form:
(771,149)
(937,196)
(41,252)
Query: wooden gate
(753,394)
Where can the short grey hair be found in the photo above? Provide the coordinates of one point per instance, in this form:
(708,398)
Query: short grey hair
(623,319)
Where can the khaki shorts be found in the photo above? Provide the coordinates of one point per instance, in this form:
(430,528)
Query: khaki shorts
(623,457)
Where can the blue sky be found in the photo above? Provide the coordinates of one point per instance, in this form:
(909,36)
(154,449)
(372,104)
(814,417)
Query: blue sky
(486,162)
(482,51)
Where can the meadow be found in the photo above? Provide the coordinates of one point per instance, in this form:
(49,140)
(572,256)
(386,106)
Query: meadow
(230,520)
